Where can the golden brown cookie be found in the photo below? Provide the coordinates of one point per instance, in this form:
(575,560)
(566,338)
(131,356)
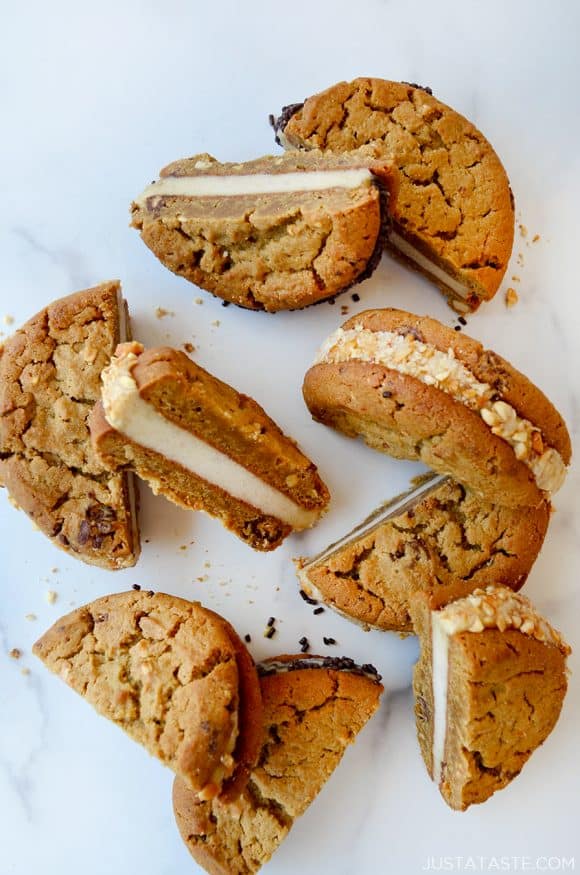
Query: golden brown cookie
(415,389)
(450,541)
(49,380)
(489,687)
(453,218)
(313,708)
(276,233)
(173,675)
(204,446)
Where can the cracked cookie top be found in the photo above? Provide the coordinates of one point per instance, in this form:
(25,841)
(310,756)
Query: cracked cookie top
(49,381)
(454,202)
(167,671)
(310,717)
(276,233)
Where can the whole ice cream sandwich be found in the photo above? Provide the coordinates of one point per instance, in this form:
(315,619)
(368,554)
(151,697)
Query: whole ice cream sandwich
(270,234)
(453,218)
(450,542)
(313,708)
(416,389)
(204,446)
(489,687)
(172,674)
(49,381)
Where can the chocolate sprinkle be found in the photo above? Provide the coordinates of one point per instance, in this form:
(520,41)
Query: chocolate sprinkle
(271,621)
(355,297)
(462,320)
(335,663)
(136,587)
(226,303)
(247,638)
(457,327)
(318,611)
(270,632)
(328,641)
(306,597)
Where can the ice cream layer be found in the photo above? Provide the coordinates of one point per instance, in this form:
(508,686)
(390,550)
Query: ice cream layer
(428,266)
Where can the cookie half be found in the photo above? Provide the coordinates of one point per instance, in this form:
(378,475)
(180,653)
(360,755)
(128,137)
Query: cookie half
(489,687)
(416,389)
(277,233)
(173,675)
(204,446)
(49,381)
(450,541)
(313,708)
(453,218)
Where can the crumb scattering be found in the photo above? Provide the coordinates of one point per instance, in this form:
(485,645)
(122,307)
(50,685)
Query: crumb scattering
(25,671)
(535,238)
(511,298)
(51,596)
(30,617)
(523,231)
(198,301)
(216,323)
(516,279)
(15,653)
(189,347)
(8,319)
(161,312)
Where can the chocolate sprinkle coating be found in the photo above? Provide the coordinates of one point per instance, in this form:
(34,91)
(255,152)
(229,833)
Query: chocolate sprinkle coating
(280,122)
(412,85)
(335,663)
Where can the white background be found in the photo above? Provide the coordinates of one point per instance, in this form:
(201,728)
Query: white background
(95,99)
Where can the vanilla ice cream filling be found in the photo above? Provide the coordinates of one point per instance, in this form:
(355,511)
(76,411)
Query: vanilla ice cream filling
(406,354)
(137,420)
(490,608)
(255,183)
(428,266)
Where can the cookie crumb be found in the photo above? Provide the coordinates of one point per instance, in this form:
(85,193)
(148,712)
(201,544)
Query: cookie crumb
(202,578)
(516,279)
(329,641)
(535,238)
(51,596)
(523,231)
(344,310)
(247,638)
(161,312)
(183,547)
(189,347)
(15,653)
(317,611)
(54,570)
(8,319)
(25,671)
(216,323)
(198,301)
(511,298)
(30,617)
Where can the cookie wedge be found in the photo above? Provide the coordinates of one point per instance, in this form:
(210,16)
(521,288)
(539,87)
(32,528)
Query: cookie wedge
(416,389)
(313,708)
(489,688)
(204,446)
(450,541)
(453,218)
(276,233)
(50,373)
(172,674)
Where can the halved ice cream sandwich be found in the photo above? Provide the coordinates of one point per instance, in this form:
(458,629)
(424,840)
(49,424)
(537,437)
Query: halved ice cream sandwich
(314,707)
(276,233)
(489,687)
(204,446)
(174,675)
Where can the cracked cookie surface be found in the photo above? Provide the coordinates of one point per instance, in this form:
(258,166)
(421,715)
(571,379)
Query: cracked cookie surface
(454,203)
(167,671)
(49,381)
(505,692)
(451,542)
(267,251)
(310,716)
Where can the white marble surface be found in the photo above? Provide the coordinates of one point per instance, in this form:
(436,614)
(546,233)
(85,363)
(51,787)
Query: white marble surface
(96,99)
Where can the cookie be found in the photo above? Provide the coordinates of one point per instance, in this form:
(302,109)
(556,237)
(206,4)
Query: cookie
(313,708)
(204,446)
(489,687)
(453,218)
(173,675)
(49,380)
(450,541)
(271,234)
(416,389)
